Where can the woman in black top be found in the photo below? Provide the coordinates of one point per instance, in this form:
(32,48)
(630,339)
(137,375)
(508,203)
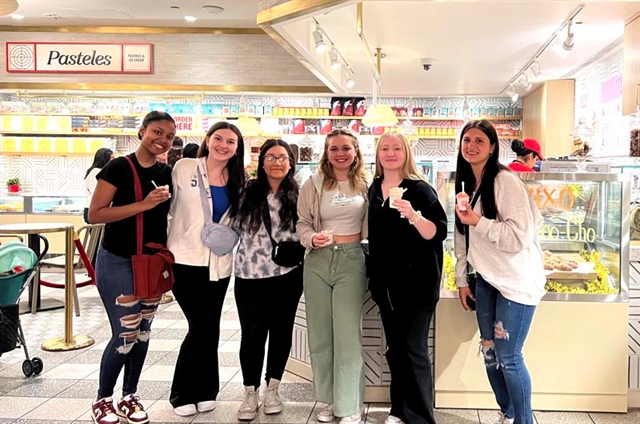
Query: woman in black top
(405,267)
(114,203)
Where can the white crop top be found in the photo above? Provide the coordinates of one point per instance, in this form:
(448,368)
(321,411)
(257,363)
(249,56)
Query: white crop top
(342,210)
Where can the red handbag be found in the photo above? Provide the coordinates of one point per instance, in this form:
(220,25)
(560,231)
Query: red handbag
(152,273)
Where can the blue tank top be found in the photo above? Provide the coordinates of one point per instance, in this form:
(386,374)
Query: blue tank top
(220,202)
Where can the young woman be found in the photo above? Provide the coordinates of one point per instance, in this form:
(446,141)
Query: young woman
(114,203)
(201,276)
(267,294)
(100,160)
(405,268)
(503,231)
(332,211)
(528,153)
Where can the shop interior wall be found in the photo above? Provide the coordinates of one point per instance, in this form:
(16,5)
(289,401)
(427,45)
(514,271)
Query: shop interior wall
(194,59)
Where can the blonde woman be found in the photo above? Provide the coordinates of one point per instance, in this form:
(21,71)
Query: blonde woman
(332,210)
(407,233)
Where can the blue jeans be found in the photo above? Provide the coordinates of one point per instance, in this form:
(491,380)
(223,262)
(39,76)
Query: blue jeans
(130,320)
(507,324)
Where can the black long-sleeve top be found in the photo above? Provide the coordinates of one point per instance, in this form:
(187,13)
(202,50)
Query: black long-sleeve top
(403,266)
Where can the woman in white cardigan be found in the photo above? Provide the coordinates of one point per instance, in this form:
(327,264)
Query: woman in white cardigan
(201,276)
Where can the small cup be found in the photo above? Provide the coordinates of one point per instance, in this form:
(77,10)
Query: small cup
(462,199)
(328,233)
(394,194)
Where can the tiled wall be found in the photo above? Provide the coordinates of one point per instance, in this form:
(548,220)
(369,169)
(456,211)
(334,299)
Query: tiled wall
(200,59)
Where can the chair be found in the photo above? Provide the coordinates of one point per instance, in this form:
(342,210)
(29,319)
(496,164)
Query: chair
(90,237)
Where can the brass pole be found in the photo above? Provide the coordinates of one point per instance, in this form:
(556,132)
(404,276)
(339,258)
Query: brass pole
(68,285)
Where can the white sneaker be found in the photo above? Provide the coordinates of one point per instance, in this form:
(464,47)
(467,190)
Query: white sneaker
(185,410)
(272,399)
(393,420)
(502,419)
(249,408)
(352,419)
(206,406)
(326,414)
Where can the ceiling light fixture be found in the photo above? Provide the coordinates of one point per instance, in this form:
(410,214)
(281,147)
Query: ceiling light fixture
(568,42)
(17,17)
(190,18)
(513,93)
(321,46)
(524,80)
(378,114)
(550,43)
(248,126)
(535,70)
(215,10)
(333,55)
(350,82)
(7,7)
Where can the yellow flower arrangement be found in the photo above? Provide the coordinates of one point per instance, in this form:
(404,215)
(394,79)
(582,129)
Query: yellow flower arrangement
(599,285)
(449,272)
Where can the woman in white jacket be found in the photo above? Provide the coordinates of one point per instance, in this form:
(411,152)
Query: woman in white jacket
(201,276)
(503,248)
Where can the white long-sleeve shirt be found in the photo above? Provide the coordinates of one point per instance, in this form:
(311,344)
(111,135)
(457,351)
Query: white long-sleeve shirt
(506,251)
(90,184)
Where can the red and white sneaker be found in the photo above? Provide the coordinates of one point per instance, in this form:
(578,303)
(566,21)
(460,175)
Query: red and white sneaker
(103,412)
(130,408)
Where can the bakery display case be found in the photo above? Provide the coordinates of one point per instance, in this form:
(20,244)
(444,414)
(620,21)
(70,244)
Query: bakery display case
(584,235)
(28,203)
(585,239)
(11,203)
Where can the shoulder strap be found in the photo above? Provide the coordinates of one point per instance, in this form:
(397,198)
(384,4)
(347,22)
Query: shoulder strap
(266,218)
(138,191)
(203,197)
(466,227)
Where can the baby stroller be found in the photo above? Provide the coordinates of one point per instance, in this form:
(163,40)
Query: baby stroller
(18,266)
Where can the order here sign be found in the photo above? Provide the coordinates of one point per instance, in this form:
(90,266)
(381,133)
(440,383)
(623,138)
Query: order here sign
(108,58)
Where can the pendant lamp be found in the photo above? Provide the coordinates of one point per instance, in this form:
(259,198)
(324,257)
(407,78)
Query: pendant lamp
(248,126)
(7,7)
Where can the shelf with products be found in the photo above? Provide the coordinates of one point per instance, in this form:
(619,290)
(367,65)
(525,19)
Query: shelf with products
(585,233)
(10,145)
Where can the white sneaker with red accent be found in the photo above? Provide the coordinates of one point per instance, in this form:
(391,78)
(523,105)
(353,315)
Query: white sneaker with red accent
(130,408)
(103,412)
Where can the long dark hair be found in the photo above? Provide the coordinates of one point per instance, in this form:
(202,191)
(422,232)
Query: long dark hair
(491,169)
(255,195)
(235,165)
(100,159)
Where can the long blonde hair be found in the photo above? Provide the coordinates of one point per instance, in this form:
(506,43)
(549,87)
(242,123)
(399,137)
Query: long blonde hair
(357,173)
(409,168)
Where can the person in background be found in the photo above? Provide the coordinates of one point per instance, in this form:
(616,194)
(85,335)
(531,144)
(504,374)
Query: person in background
(114,203)
(100,159)
(302,172)
(164,158)
(267,294)
(175,154)
(190,150)
(202,277)
(528,153)
(405,245)
(503,249)
(332,221)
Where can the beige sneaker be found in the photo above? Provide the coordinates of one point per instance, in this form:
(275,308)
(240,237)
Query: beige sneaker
(272,399)
(249,408)
(352,419)
(326,414)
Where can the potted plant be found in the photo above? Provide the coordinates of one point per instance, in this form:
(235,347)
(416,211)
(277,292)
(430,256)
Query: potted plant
(13,184)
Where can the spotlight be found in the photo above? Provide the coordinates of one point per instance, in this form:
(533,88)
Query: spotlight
(189,18)
(321,46)
(333,55)
(524,80)
(568,42)
(513,93)
(350,81)
(535,69)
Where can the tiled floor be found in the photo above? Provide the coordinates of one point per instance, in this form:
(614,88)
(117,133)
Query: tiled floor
(64,391)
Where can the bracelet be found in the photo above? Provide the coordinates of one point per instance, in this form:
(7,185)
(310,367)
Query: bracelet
(418,216)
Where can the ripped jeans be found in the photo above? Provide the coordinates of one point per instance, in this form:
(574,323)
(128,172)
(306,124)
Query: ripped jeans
(130,320)
(507,324)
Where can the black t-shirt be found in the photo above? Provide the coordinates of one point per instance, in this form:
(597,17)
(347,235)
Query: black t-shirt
(120,236)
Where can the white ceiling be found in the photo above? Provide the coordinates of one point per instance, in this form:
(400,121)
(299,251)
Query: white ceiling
(479,45)
(149,13)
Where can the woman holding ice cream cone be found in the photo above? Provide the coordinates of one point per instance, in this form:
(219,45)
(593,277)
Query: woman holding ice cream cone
(332,211)
(502,226)
(407,226)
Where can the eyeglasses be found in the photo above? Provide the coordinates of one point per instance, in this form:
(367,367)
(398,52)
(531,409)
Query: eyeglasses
(280,159)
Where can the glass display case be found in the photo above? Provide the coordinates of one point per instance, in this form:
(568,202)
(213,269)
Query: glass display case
(11,203)
(584,236)
(35,204)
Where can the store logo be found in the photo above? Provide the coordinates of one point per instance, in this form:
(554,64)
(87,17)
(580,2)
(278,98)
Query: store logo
(21,57)
(121,58)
